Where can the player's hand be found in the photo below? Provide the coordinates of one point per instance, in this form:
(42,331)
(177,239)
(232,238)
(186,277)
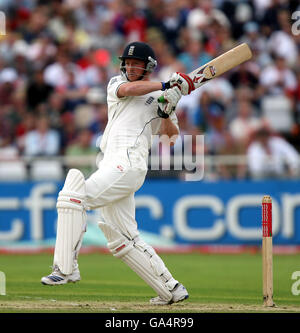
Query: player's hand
(171,98)
(183,82)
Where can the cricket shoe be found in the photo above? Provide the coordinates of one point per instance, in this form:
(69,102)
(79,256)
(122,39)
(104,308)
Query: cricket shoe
(57,277)
(179,293)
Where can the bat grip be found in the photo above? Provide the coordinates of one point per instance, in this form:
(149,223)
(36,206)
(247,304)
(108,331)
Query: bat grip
(160,112)
(161,99)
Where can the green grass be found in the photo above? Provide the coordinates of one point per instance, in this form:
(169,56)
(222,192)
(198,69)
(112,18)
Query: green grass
(216,283)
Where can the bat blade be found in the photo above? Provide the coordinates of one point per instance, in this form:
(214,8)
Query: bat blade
(221,64)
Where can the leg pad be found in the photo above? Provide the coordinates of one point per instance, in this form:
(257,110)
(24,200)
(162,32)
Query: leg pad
(71,221)
(125,249)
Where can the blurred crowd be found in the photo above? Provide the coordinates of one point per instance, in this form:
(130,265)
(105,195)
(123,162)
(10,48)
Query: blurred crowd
(57,57)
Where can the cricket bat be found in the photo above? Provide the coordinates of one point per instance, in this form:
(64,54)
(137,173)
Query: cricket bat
(219,65)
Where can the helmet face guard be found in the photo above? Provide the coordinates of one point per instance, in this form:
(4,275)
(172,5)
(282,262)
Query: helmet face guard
(140,51)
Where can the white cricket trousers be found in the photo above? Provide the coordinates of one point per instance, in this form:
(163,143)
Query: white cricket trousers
(111,188)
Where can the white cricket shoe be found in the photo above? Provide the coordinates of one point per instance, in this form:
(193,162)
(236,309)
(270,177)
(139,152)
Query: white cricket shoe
(179,294)
(57,277)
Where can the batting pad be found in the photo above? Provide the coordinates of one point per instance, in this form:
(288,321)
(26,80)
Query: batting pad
(157,264)
(71,221)
(135,258)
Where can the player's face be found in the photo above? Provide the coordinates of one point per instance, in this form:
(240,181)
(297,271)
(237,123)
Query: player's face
(134,69)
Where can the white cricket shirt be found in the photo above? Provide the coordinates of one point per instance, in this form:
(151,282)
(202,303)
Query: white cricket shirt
(132,120)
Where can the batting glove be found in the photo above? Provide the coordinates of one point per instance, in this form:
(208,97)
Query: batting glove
(183,82)
(171,98)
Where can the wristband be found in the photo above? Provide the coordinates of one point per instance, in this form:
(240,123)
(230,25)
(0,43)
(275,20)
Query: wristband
(165,85)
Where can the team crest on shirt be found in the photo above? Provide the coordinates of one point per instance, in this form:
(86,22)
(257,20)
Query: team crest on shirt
(149,100)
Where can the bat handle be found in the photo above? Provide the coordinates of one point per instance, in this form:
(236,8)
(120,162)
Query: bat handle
(160,112)
(161,99)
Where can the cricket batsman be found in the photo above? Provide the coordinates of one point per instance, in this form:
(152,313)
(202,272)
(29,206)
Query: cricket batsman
(134,115)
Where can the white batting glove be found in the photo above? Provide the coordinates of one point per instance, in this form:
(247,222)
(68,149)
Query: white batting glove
(171,97)
(183,82)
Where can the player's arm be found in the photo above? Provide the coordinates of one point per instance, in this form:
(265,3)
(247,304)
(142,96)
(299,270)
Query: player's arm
(168,128)
(138,88)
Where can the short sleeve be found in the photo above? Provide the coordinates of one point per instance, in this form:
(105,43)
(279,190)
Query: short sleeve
(113,87)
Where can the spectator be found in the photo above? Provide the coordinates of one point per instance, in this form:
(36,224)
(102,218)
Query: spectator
(55,109)
(8,85)
(214,136)
(89,16)
(68,130)
(95,67)
(8,149)
(213,113)
(190,145)
(130,22)
(42,141)
(244,76)
(57,74)
(37,24)
(203,14)
(38,91)
(281,42)
(271,156)
(57,25)
(25,126)
(244,124)
(206,107)
(41,51)
(277,78)
(260,8)
(187,132)
(107,38)
(174,20)
(242,94)
(78,39)
(96,98)
(73,93)
(256,41)
(269,21)
(8,46)
(154,14)
(169,64)
(230,166)
(194,56)
(220,89)
(238,12)
(83,149)
(75,44)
